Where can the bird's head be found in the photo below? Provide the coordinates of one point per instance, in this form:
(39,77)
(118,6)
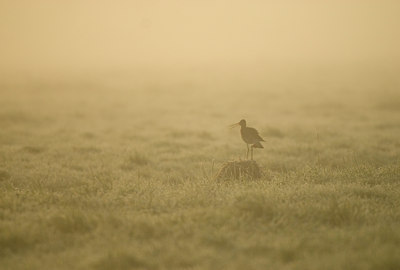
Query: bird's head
(242,123)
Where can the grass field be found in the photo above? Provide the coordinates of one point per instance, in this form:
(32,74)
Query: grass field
(116,173)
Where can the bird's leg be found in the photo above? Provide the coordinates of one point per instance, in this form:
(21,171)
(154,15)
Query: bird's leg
(247,155)
(251,152)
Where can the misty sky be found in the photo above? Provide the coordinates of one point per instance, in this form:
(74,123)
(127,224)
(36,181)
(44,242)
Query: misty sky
(116,34)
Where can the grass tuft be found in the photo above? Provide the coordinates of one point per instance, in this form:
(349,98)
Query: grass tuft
(242,169)
(33,149)
(121,261)
(4,175)
(73,222)
(255,206)
(135,160)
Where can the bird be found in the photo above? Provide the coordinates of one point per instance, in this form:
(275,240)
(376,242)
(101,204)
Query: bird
(250,136)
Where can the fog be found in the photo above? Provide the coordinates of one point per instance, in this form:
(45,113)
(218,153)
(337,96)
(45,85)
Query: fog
(72,36)
(115,151)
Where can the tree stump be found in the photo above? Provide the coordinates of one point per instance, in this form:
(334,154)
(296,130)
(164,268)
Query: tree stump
(240,169)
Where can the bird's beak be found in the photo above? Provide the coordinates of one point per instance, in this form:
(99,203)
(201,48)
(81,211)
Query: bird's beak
(234,125)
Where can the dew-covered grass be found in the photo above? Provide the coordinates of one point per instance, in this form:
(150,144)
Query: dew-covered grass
(107,175)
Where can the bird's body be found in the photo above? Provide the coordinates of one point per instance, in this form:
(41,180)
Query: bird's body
(250,136)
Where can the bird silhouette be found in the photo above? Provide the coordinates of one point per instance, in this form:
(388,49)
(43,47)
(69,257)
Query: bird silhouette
(250,136)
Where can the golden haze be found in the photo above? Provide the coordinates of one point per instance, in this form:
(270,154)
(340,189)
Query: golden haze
(106,35)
